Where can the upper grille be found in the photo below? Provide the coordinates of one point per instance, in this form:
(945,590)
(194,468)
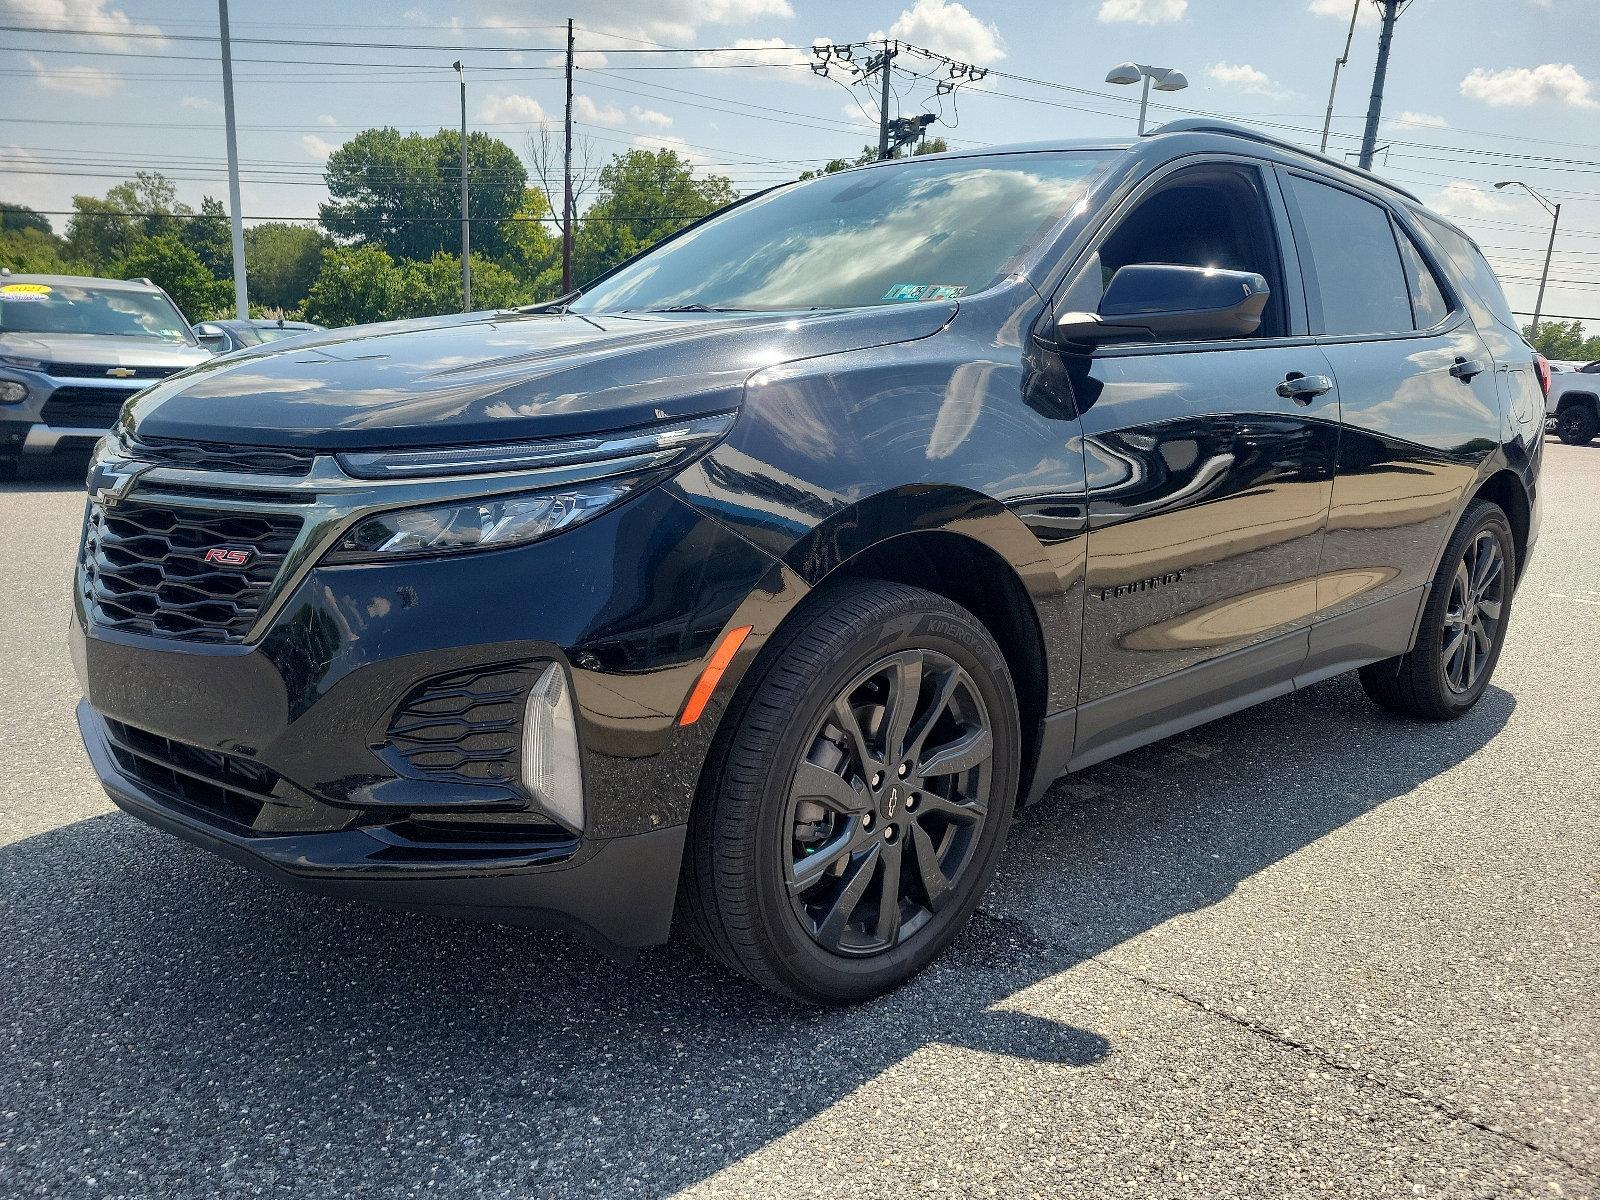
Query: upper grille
(102,371)
(142,569)
(214,456)
(85,407)
(465,727)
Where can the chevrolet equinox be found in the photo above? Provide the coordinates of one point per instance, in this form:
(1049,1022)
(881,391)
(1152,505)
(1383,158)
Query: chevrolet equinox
(751,590)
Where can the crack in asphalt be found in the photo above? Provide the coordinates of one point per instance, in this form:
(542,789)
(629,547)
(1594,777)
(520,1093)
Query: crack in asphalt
(1322,1056)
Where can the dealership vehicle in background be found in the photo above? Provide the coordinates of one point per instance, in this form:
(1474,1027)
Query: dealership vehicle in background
(223,336)
(1573,405)
(72,350)
(753,588)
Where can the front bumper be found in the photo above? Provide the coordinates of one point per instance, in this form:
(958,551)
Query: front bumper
(630,604)
(60,413)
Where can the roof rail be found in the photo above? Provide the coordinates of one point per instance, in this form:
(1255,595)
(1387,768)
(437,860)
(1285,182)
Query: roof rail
(1213,125)
(141,279)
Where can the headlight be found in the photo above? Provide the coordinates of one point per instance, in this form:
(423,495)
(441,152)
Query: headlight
(476,524)
(22,364)
(11,391)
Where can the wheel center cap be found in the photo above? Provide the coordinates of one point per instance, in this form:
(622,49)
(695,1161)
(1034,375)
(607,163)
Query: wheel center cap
(893,797)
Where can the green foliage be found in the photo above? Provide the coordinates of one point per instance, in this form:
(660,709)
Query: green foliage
(433,288)
(1564,339)
(647,195)
(27,251)
(15,217)
(282,262)
(403,191)
(166,261)
(532,245)
(210,235)
(870,154)
(357,284)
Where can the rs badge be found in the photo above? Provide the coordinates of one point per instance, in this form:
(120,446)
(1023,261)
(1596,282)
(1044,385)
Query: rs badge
(230,556)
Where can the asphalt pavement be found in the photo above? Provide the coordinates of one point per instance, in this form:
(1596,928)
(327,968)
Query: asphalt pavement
(1309,950)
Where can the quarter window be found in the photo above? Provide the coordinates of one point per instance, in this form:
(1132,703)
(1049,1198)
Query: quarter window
(1428,305)
(1357,269)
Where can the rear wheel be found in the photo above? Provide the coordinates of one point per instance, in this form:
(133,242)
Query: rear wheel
(1463,625)
(857,799)
(1577,424)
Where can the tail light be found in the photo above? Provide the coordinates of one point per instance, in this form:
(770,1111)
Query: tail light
(1542,366)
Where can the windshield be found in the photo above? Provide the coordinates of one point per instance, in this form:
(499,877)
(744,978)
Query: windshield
(109,312)
(919,230)
(279,332)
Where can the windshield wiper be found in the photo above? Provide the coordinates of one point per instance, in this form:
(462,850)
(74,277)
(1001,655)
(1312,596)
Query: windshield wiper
(694,308)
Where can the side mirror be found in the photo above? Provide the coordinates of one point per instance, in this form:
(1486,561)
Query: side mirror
(1166,302)
(217,343)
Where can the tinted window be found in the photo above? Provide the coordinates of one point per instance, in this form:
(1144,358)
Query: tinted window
(1428,306)
(928,230)
(1358,273)
(1484,297)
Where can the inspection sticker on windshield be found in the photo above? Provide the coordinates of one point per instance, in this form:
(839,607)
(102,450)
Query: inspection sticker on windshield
(906,291)
(944,291)
(22,293)
(924,291)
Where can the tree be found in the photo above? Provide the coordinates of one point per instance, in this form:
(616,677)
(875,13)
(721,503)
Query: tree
(646,194)
(209,234)
(103,230)
(433,288)
(27,251)
(14,217)
(174,267)
(549,174)
(403,191)
(356,284)
(531,246)
(283,262)
(1564,339)
(869,154)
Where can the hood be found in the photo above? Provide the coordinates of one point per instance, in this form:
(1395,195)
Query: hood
(101,351)
(489,377)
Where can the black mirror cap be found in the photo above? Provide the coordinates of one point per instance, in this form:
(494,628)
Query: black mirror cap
(1170,302)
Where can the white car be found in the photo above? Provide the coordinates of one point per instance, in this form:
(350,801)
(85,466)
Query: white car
(1572,408)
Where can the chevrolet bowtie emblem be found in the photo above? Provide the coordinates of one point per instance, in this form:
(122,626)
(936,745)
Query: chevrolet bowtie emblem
(110,482)
(121,372)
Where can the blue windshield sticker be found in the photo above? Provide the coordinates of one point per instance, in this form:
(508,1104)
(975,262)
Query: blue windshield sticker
(906,291)
(944,291)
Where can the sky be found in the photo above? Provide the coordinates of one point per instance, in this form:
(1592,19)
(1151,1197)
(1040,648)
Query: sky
(1479,91)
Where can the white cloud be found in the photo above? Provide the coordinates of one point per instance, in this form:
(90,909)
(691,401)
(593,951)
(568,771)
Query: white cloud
(649,116)
(318,148)
(1367,14)
(505,110)
(1143,12)
(200,104)
(109,25)
(330,121)
(1463,199)
(82,81)
(1417,120)
(585,109)
(769,59)
(740,12)
(950,28)
(669,141)
(1244,78)
(1519,87)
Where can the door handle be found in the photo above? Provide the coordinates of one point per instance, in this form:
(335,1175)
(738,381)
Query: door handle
(1465,368)
(1303,389)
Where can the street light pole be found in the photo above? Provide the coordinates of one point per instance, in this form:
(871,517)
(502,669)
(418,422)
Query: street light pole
(1165,79)
(241,295)
(1338,65)
(1544,276)
(466,214)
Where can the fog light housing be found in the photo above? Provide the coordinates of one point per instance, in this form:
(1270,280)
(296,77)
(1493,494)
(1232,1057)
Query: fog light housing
(12,392)
(551,769)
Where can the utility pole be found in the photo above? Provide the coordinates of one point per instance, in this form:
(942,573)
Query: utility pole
(241,295)
(881,62)
(566,160)
(1338,65)
(466,202)
(1369,139)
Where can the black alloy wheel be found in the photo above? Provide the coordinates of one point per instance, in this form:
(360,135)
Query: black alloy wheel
(1473,614)
(1577,424)
(888,805)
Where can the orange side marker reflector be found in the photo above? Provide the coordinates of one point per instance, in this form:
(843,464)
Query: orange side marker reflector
(712,675)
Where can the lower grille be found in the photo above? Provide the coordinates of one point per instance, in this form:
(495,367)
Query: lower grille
(84,407)
(223,786)
(143,569)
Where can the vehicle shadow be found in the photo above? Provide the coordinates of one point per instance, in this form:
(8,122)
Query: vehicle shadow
(62,472)
(191,1029)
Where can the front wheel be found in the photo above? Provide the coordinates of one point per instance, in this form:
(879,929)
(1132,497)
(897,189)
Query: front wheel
(1577,424)
(1463,624)
(857,797)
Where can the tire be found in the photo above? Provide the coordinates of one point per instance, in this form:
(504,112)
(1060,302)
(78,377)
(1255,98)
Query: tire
(792,820)
(1577,424)
(1463,624)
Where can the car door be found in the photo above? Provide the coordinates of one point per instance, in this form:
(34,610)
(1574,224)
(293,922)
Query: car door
(1419,410)
(1208,482)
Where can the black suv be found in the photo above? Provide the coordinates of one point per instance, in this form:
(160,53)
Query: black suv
(755,587)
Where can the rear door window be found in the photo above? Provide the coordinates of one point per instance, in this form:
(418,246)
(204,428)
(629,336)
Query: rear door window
(1355,268)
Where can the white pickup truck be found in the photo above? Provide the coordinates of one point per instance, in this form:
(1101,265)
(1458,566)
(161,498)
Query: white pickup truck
(1572,409)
